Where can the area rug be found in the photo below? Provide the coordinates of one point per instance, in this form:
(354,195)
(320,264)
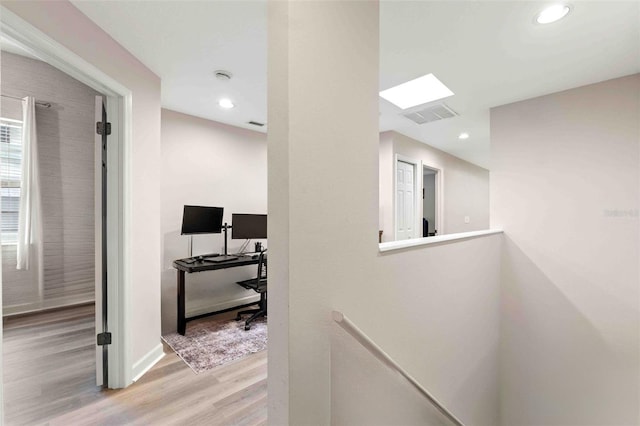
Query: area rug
(211,342)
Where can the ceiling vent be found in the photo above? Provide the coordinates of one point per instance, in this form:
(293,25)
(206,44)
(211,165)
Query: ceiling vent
(255,123)
(431,113)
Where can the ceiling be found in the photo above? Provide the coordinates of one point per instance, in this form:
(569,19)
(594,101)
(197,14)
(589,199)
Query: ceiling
(488,53)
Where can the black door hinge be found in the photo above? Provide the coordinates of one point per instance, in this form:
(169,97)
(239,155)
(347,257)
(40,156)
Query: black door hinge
(104,339)
(100,128)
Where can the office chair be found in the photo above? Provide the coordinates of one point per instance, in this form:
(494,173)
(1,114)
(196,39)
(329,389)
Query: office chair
(259,285)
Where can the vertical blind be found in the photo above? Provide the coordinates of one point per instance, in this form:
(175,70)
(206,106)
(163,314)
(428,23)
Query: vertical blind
(10,173)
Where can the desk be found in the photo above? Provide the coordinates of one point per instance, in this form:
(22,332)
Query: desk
(190,268)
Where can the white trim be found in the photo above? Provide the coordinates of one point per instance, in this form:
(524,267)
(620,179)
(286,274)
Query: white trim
(27,308)
(124,131)
(403,244)
(147,362)
(441,196)
(417,177)
(55,54)
(120,105)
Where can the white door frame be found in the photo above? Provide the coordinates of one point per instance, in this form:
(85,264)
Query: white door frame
(439,225)
(119,110)
(417,185)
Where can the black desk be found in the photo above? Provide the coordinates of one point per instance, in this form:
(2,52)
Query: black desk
(190,268)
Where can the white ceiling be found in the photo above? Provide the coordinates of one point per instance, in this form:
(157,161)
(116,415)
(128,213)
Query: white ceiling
(488,53)
(492,53)
(184,42)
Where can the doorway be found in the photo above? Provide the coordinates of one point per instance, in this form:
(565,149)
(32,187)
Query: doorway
(118,107)
(430,204)
(51,205)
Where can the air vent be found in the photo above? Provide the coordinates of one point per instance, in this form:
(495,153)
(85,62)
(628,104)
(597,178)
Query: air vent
(431,113)
(255,123)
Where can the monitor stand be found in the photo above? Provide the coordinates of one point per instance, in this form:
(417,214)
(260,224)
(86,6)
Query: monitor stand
(225,257)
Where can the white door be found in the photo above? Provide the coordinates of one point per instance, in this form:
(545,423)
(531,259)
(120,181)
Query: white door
(100,201)
(405,201)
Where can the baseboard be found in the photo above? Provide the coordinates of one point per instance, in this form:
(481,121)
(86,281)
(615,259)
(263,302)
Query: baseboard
(147,361)
(199,310)
(44,306)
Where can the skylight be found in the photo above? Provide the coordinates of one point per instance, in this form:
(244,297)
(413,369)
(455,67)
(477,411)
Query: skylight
(417,92)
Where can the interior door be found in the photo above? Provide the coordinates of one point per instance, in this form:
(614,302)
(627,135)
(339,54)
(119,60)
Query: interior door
(405,201)
(100,239)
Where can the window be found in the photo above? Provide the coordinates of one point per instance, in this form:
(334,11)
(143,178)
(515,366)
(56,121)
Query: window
(10,173)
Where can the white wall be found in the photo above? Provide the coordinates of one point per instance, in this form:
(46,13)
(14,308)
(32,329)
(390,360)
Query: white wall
(65,24)
(66,160)
(365,391)
(435,309)
(465,185)
(210,164)
(565,188)
(386,173)
(323,189)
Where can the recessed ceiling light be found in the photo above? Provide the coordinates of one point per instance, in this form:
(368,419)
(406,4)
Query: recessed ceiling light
(226,103)
(463,135)
(552,13)
(417,92)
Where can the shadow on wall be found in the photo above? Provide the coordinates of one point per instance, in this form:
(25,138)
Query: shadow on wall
(366,392)
(484,370)
(551,351)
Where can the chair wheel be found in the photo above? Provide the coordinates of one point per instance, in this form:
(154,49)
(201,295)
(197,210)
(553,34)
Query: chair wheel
(247,327)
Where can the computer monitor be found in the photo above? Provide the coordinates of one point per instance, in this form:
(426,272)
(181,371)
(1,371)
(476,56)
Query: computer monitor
(202,220)
(246,226)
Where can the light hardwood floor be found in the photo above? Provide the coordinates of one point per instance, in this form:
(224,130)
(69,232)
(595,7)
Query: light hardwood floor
(49,376)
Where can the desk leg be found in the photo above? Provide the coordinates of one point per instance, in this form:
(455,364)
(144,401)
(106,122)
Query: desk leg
(182,323)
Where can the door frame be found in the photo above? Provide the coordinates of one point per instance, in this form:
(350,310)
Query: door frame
(439,197)
(417,201)
(119,109)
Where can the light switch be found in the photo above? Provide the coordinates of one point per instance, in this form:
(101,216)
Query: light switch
(466,219)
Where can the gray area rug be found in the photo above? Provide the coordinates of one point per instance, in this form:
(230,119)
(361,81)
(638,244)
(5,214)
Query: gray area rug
(211,342)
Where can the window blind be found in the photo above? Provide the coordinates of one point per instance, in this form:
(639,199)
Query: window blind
(10,174)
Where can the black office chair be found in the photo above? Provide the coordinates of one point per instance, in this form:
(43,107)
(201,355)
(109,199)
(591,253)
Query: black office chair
(259,285)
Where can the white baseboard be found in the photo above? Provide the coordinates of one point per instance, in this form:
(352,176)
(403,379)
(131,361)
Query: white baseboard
(147,361)
(28,308)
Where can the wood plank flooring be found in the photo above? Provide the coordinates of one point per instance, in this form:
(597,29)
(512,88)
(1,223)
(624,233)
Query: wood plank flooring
(49,378)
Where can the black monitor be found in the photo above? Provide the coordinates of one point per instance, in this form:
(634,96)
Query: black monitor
(202,220)
(247,226)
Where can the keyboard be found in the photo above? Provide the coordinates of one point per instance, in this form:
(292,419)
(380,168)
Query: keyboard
(199,258)
(220,259)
